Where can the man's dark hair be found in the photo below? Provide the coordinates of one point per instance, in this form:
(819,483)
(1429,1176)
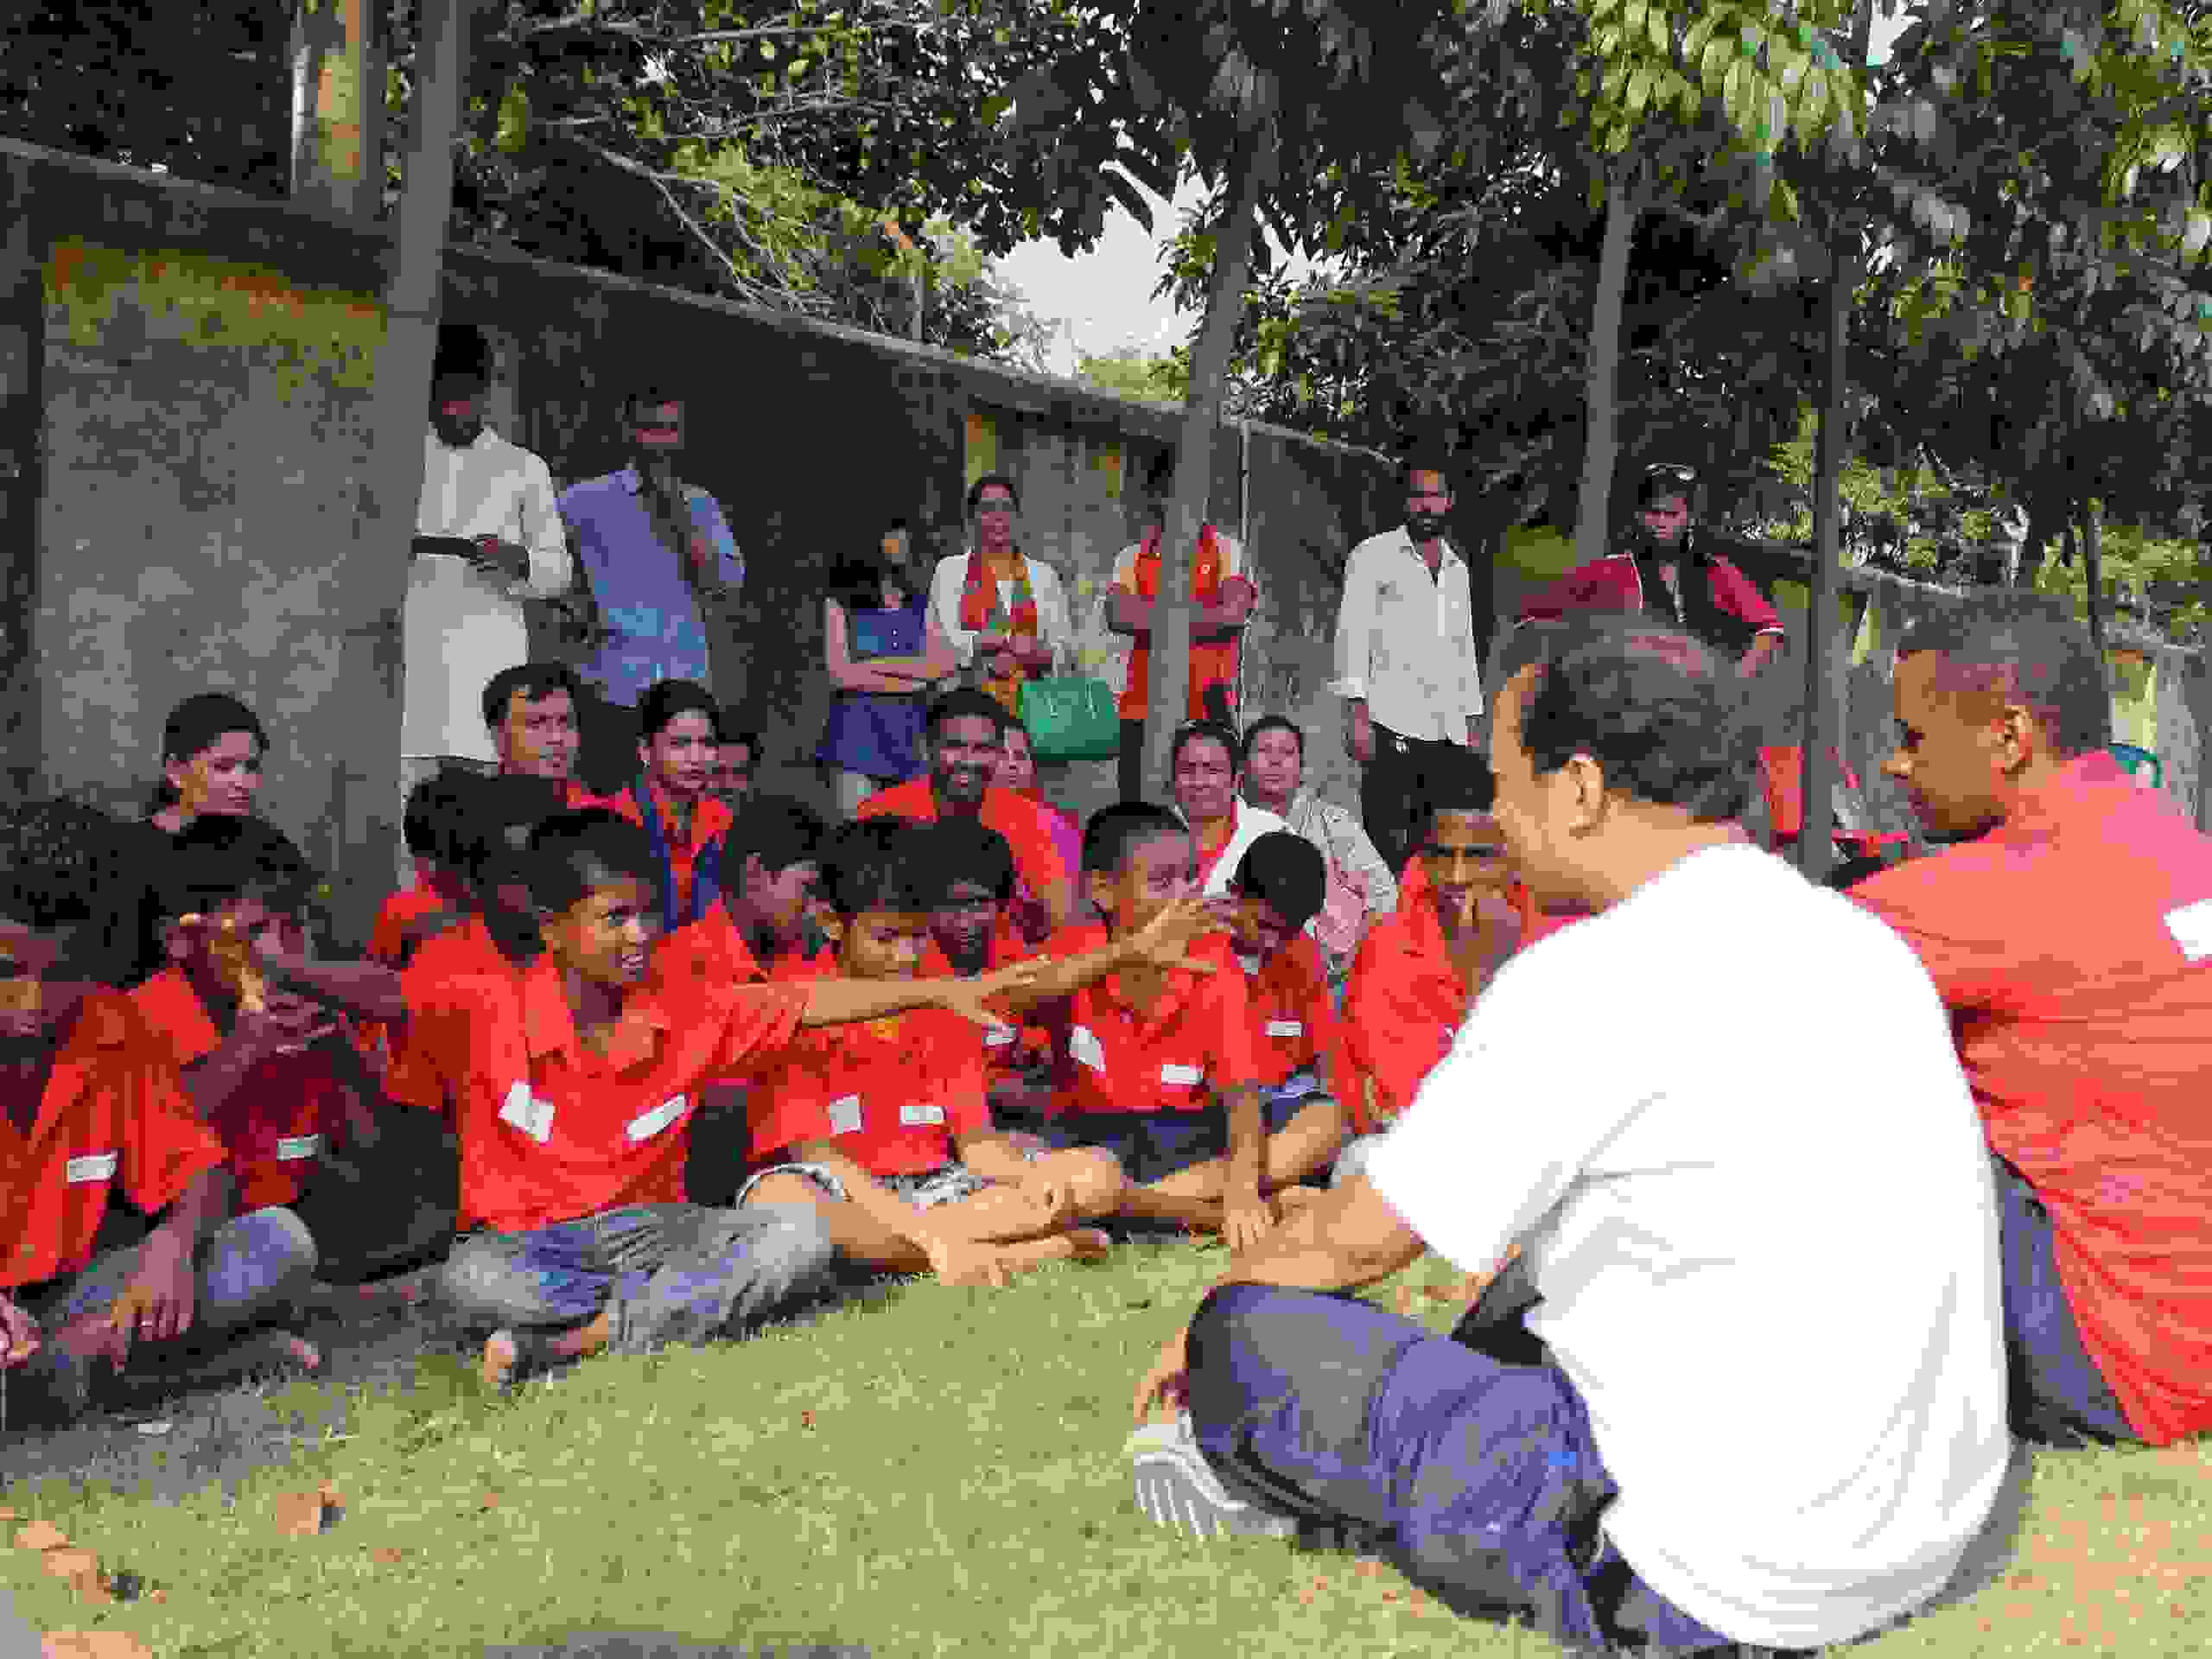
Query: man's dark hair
(61,862)
(1461,780)
(214,861)
(493,819)
(776,830)
(1273,723)
(1114,830)
(463,354)
(963,849)
(667,701)
(569,853)
(199,722)
(1287,871)
(535,681)
(967,703)
(1209,731)
(1658,711)
(875,864)
(976,490)
(2026,648)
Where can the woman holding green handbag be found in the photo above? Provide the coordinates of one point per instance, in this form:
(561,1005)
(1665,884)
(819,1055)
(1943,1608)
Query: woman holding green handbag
(1004,614)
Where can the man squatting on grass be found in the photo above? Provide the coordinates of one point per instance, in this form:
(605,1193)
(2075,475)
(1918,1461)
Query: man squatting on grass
(1712,1405)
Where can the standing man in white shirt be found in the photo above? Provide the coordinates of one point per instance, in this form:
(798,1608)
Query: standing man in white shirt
(1721,1398)
(1406,662)
(487,537)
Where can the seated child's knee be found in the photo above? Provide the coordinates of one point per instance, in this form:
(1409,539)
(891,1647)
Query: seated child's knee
(1095,1179)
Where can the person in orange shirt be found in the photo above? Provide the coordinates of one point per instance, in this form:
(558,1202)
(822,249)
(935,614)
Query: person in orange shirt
(763,924)
(579,1080)
(969,887)
(1161,1061)
(887,1126)
(966,738)
(673,800)
(531,712)
(273,1072)
(94,1109)
(1420,968)
(2067,924)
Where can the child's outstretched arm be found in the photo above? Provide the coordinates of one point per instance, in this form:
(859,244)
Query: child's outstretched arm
(1161,943)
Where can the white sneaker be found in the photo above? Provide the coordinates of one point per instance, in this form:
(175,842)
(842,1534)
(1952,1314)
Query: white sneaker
(1176,1487)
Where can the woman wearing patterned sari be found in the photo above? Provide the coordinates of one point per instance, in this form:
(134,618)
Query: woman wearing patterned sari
(1005,614)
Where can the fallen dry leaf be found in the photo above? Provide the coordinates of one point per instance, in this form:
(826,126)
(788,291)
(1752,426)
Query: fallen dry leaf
(40,1535)
(386,1556)
(90,1586)
(1389,1595)
(157,1595)
(1367,1567)
(6,1514)
(66,1563)
(491,1501)
(806,1419)
(299,1515)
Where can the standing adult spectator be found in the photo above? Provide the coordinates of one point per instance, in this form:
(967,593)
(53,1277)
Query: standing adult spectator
(1361,884)
(1004,613)
(657,553)
(883,651)
(1406,662)
(486,538)
(2068,926)
(1551,1461)
(1225,596)
(1203,769)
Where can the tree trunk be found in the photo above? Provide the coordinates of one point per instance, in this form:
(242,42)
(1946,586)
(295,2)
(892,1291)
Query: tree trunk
(2092,567)
(1168,694)
(1601,447)
(367,790)
(1823,651)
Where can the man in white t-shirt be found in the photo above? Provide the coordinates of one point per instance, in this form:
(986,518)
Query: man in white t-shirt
(1751,1388)
(487,537)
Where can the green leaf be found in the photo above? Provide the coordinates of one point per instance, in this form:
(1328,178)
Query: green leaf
(1781,203)
(514,120)
(1639,91)
(1662,35)
(1714,67)
(1632,16)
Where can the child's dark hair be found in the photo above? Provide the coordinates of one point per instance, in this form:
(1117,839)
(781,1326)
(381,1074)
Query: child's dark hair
(493,821)
(570,853)
(59,862)
(432,821)
(1115,831)
(199,722)
(216,862)
(875,864)
(1461,780)
(536,680)
(963,849)
(1287,871)
(777,830)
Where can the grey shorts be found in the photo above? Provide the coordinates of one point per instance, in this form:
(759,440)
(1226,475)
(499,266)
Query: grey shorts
(946,1184)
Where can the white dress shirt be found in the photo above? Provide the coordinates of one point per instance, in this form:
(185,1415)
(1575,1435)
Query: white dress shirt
(1055,630)
(462,627)
(1406,640)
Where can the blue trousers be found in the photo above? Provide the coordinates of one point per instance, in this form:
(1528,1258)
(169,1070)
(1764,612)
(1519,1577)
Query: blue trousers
(1476,1475)
(2058,1396)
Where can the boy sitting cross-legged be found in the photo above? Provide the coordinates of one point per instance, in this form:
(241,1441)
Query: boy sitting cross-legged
(1164,1075)
(578,1085)
(1278,887)
(887,1127)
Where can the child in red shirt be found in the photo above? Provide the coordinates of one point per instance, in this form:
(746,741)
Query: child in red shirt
(887,1126)
(970,878)
(580,1081)
(1420,968)
(1161,1063)
(92,1108)
(1278,886)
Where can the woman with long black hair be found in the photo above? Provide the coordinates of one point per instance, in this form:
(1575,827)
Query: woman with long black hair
(883,651)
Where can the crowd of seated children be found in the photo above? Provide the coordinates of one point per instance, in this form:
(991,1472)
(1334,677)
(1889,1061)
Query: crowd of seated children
(969,880)
(1419,969)
(1161,1066)
(578,1083)
(122,1244)
(965,739)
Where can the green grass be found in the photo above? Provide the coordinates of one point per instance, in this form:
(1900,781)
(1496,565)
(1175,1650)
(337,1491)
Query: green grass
(960,1490)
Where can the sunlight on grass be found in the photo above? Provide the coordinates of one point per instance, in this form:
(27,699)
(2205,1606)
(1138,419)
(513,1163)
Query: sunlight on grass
(938,1472)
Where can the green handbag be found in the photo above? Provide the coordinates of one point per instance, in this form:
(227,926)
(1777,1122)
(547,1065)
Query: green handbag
(1070,717)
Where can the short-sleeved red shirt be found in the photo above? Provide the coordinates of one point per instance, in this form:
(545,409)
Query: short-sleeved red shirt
(288,1108)
(894,1095)
(1007,1048)
(2073,946)
(1294,1025)
(551,1132)
(427,1061)
(112,1109)
(710,821)
(1027,826)
(1192,1047)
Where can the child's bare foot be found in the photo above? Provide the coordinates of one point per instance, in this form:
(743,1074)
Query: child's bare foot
(1290,1200)
(964,1262)
(506,1349)
(502,1353)
(1090,1244)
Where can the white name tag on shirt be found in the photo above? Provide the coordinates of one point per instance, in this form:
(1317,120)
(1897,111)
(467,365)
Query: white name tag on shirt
(649,1124)
(93,1167)
(2191,926)
(293,1147)
(912,1115)
(1188,1074)
(1084,1045)
(1285,1027)
(845,1115)
(526,1112)
(999,1036)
